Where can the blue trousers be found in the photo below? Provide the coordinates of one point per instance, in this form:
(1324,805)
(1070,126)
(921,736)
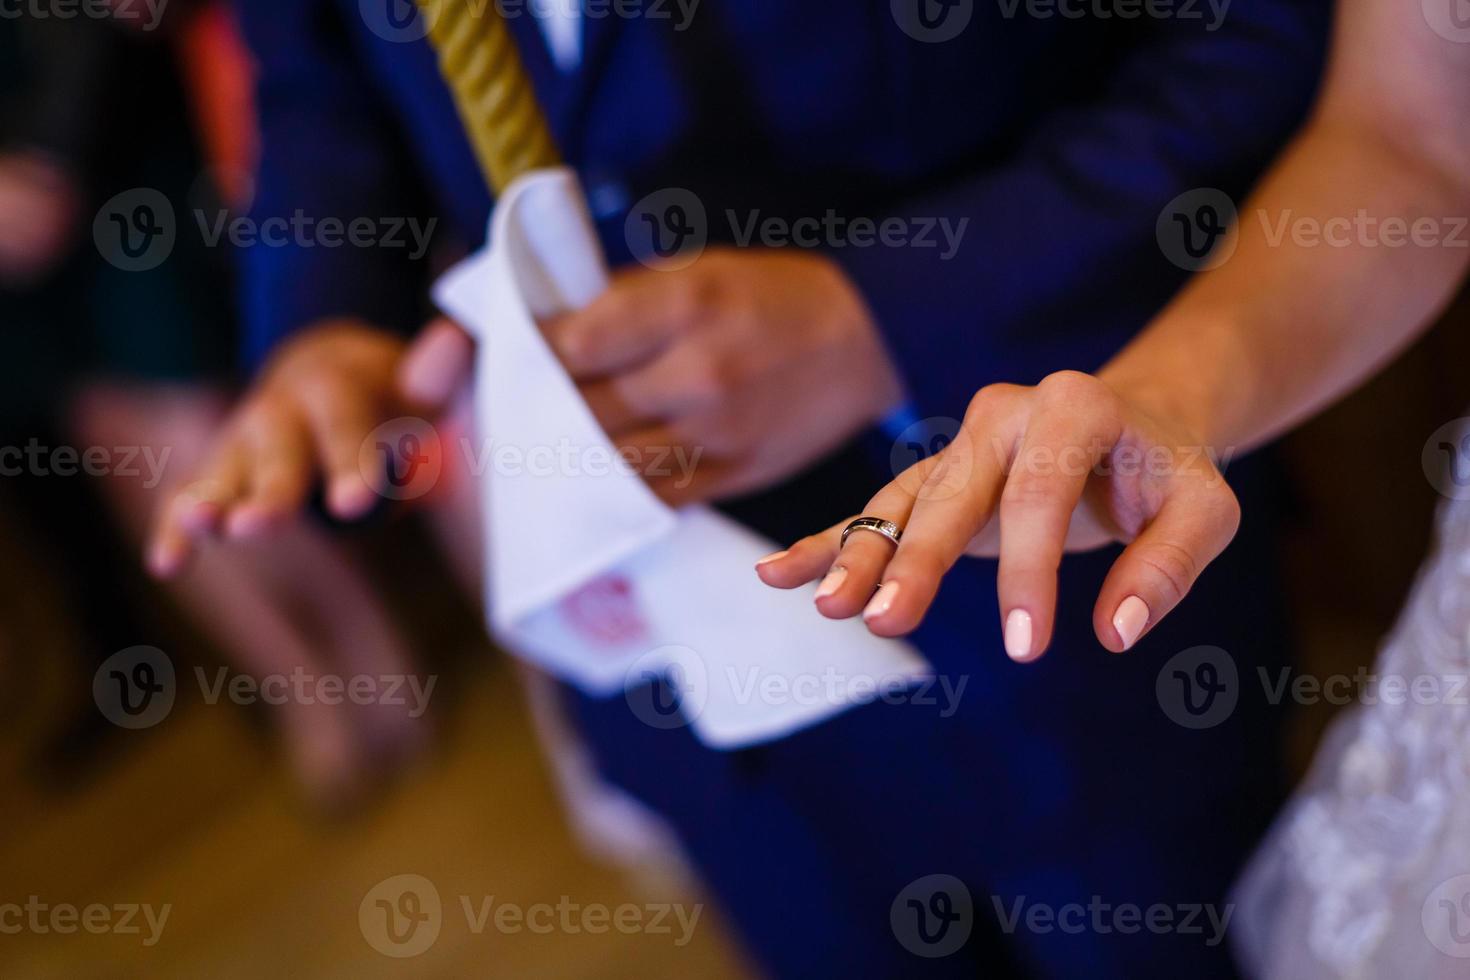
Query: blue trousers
(1078,826)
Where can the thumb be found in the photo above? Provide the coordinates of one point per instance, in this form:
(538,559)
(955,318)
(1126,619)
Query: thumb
(1156,570)
(435,365)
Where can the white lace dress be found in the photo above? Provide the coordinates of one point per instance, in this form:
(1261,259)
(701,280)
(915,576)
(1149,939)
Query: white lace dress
(1367,872)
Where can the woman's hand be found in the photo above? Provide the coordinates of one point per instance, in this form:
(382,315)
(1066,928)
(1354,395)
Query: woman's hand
(1068,465)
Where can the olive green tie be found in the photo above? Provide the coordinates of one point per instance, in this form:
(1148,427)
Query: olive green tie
(492,91)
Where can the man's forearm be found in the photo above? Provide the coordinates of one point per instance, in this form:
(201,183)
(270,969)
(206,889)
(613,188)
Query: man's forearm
(1328,281)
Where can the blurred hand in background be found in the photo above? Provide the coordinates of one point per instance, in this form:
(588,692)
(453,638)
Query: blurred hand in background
(39,209)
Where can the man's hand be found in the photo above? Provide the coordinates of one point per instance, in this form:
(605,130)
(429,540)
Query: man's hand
(752,364)
(742,368)
(1069,465)
(305,420)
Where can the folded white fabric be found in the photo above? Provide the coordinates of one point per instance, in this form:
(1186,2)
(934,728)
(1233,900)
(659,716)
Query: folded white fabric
(590,575)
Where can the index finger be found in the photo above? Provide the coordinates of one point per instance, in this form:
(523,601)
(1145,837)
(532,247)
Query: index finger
(196,509)
(435,365)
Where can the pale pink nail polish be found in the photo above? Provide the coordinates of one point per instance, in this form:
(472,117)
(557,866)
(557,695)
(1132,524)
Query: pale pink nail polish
(1130,619)
(770,558)
(1018,634)
(832,582)
(882,601)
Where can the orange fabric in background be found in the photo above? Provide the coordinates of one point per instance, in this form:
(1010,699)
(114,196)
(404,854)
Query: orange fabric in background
(219,77)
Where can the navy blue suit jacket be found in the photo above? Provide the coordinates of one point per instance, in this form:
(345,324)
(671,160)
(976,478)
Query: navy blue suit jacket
(1061,140)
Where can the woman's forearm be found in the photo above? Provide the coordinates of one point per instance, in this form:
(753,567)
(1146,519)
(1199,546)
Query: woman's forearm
(1348,249)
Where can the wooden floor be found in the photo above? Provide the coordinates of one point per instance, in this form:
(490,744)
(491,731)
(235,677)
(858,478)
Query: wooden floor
(198,814)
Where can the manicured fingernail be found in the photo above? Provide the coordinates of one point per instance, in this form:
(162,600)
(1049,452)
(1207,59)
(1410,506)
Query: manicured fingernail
(882,601)
(770,558)
(832,582)
(1130,619)
(1018,634)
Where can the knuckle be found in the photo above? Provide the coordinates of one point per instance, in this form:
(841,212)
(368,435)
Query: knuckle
(950,476)
(1225,509)
(710,377)
(695,296)
(620,306)
(1025,492)
(990,399)
(917,565)
(1072,388)
(1222,500)
(1174,566)
(341,423)
(815,543)
(262,417)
